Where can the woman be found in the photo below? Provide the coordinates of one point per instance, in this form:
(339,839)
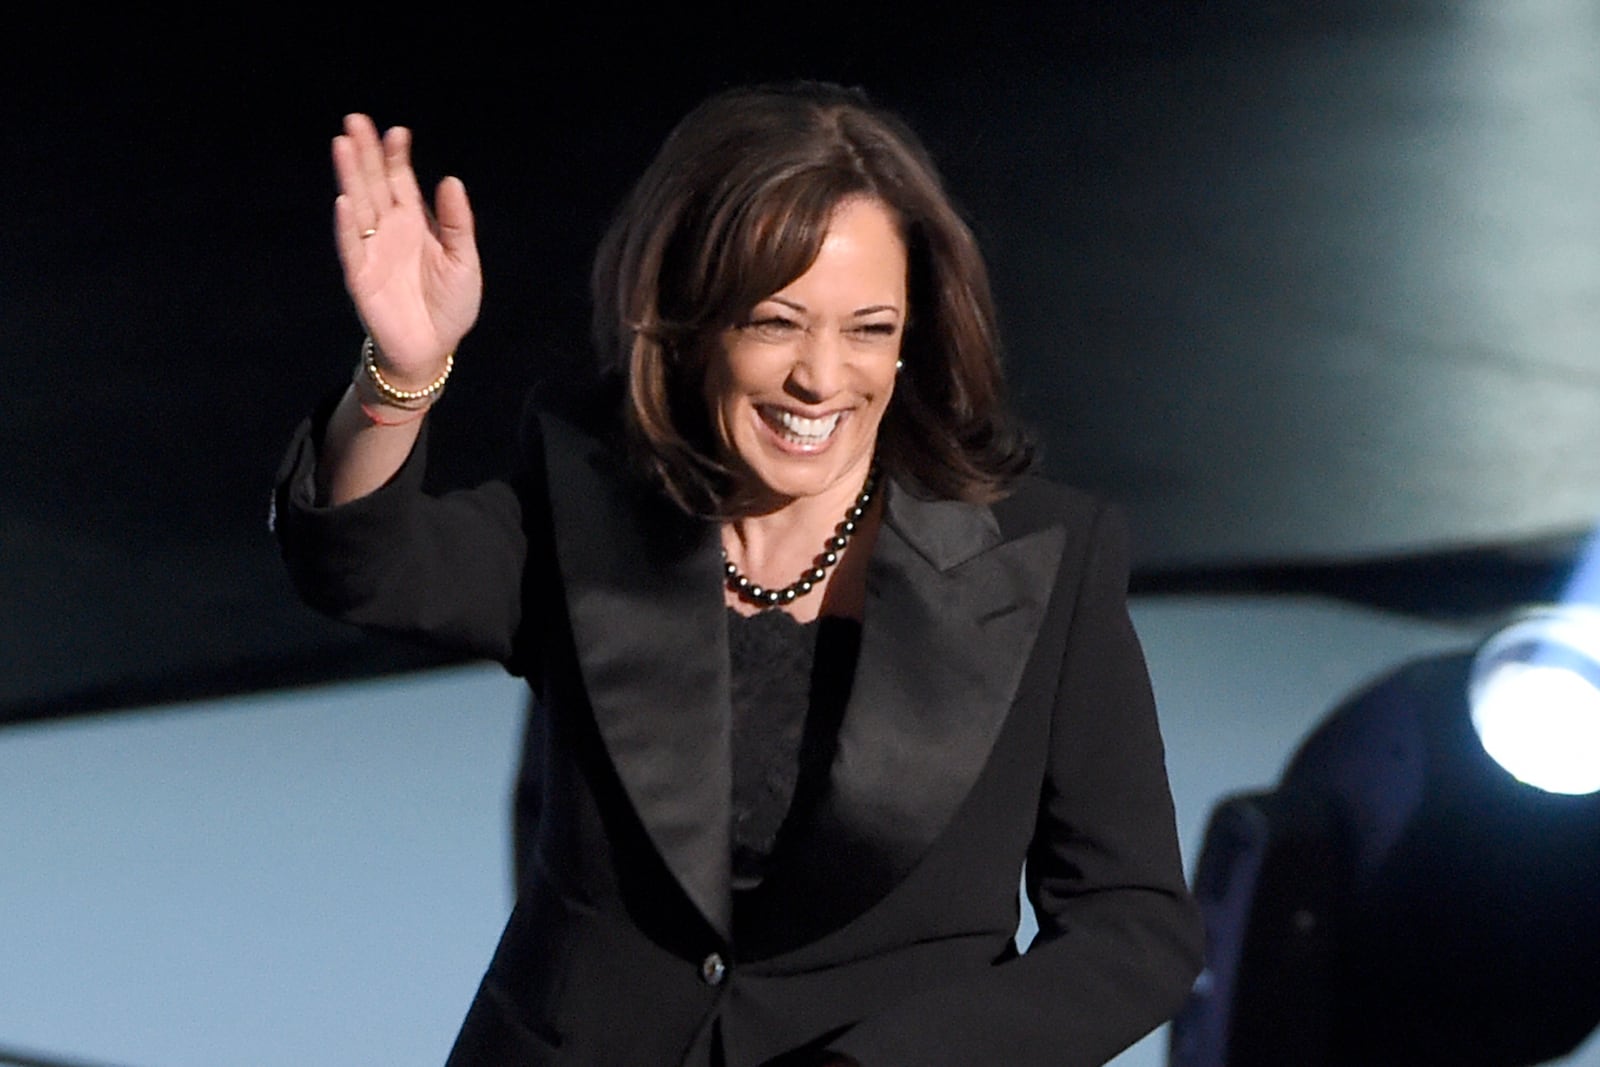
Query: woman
(818,666)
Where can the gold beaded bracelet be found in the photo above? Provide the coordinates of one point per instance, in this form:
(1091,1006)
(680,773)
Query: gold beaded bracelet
(408,399)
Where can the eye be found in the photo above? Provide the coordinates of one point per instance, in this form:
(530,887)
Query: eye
(770,326)
(877,330)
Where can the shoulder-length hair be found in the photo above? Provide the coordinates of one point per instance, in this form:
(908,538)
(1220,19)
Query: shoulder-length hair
(735,207)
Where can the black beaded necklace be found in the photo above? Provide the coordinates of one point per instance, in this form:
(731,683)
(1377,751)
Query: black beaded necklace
(809,579)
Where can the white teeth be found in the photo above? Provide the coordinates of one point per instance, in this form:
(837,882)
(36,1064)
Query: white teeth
(810,429)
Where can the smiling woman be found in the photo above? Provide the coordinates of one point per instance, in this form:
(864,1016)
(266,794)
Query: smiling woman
(798,389)
(734,210)
(817,667)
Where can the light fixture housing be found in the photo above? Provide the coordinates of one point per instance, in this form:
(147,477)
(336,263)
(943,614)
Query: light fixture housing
(1399,898)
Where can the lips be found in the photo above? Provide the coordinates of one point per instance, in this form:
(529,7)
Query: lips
(799,429)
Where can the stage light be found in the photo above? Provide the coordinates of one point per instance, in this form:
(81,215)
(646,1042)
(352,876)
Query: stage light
(1401,898)
(1535,695)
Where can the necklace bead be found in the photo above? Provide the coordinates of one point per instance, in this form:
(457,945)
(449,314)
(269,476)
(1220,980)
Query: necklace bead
(809,579)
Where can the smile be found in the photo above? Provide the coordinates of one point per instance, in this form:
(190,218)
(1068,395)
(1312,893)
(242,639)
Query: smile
(799,430)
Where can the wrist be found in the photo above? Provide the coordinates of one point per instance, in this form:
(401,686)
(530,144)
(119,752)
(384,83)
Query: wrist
(377,386)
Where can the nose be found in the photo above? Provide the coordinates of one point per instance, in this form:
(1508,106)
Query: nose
(818,371)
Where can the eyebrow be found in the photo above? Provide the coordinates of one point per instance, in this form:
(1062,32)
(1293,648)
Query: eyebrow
(795,305)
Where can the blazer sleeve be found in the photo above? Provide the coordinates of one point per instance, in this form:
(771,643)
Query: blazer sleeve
(444,569)
(1119,940)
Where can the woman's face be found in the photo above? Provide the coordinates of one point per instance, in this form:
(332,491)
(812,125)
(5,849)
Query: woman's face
(797,390)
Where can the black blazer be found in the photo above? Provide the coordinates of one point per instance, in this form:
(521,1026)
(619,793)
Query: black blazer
(1000,714)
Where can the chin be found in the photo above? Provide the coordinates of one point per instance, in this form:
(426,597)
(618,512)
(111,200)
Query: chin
(793,488)
(798,479)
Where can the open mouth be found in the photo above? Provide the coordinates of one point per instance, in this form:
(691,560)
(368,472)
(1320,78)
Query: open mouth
(799,430)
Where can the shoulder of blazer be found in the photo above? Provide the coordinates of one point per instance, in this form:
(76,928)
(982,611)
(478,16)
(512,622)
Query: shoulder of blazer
(1035,501)
(1089,523)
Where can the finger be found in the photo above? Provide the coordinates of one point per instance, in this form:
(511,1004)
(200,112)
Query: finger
(347,231)
(352,186)
(456,227)
(368,157)
(359,164)
(401,179)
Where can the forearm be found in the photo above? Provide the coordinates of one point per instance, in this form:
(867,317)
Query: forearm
(360,454)
(1076,1000)
(445,569)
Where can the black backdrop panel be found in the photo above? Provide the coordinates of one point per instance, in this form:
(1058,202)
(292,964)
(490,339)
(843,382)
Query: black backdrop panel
(1298,288)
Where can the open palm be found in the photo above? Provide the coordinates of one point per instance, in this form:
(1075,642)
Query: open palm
(414,277)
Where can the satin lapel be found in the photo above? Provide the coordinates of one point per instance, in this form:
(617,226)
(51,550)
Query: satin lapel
(644,595)
(951,615)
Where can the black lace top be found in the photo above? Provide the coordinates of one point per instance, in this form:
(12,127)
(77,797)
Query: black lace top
(790,684)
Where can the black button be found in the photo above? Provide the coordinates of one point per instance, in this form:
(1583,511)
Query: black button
(712,969)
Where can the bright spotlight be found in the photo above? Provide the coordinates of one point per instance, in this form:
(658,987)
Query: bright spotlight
(1535,697)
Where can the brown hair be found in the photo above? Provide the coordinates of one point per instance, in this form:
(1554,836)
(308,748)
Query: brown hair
(735,207)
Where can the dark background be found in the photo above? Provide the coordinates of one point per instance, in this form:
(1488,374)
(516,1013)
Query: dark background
(1313,289)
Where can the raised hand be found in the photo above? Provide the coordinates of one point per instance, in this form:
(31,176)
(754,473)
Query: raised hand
(415,279)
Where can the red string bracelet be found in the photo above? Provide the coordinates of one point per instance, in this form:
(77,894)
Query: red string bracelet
(371,412)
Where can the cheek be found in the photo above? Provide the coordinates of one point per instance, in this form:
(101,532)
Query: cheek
(727,399)
(885,388)
(743,373)
(885,380)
